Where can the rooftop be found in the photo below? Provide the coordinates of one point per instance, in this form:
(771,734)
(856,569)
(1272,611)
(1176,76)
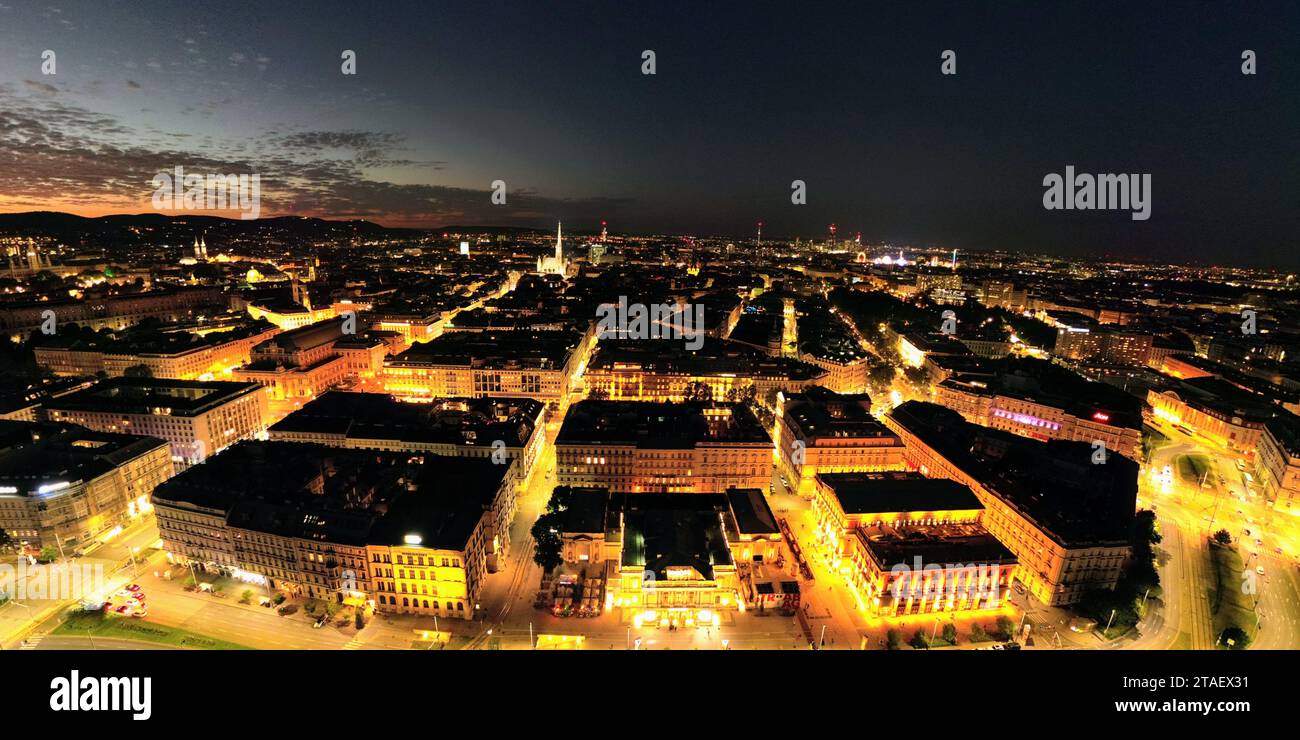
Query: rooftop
(461,421)
(1054,484)
(715,357)
(660,425)
(353,497)
(820,413)
(1040,381)
(663,532)
(545,350)
(38,454)
(158,396)
(967,544)
(896,492)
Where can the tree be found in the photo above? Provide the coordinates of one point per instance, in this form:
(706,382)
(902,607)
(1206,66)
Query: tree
(894,639)
(138,371)
(6,541)
(920,640)
(1006,628)
(950,633)
(697,391)
(880,377)
(547,531)
(1223,537)
(1234,638)
(977,633)
(598,394)
(547,542)
(743,394)
(49,554)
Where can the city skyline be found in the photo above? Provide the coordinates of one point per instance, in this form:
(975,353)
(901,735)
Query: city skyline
(744,101)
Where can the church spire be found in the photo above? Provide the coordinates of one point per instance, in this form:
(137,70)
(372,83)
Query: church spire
(559,241)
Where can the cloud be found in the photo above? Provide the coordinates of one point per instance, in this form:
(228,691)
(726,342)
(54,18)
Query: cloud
(133,84)
(57,153)
(42,86)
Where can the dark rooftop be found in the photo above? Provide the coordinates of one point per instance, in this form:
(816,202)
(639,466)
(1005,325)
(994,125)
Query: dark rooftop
(895,491)
(1054,484)
(463,421)
(33,454)
(664,531)
(1045,382)
(821,413)
(750,511)
(149,395)
(660,425)
(547,350)
(353,497)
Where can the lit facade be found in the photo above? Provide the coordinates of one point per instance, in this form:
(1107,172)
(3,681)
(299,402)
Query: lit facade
(822,432)
(62,486)
(198,418)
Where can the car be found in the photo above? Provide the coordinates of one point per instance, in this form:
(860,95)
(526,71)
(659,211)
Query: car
(123,609)
(1278,549)
(139,613)
(138,596)
(1246,532)
(1259,543)
(133,587)
(107,606)
(1259,569)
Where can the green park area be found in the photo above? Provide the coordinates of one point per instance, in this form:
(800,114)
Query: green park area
(1232,605)
(98,624)
(1192,468)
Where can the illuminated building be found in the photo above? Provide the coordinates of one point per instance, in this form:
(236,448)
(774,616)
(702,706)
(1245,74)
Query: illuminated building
(670,559)
(1043,401)
(692,447)
(556,265)
(114,310)
(825,341)
(198,418)
(938,280)
(522,364)
(1066,519)
(1103,344)
(188,353)
(301,363)
(413,327)
(664,370)
(823,432)
(290,315)
(507,429)
(914,348)
(1278,463)
(395,532)
(906,544)
(62,485)
(1216,409)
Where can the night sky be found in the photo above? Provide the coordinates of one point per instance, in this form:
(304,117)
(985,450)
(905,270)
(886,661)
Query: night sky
(550,98)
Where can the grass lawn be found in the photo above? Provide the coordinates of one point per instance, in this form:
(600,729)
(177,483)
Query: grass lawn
(1192,467)
(1230,605)
(97,624)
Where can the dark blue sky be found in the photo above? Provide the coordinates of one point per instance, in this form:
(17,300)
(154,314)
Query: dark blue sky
(748,96)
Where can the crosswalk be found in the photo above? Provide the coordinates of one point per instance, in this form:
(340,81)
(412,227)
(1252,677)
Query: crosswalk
(354,644)
(31,642)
